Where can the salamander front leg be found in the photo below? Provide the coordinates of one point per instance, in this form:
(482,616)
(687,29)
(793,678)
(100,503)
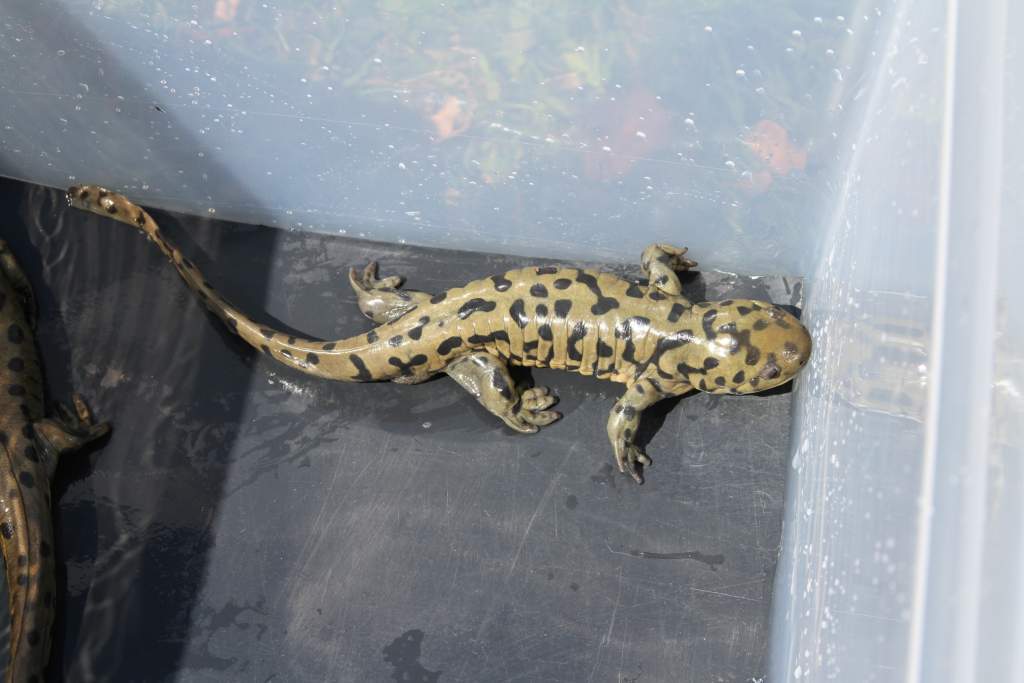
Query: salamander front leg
(625,419)
(486,377)
(660,263)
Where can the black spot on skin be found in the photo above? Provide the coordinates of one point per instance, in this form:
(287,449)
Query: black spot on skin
(267,333)
(739,378)
(518,312)
(7,530)
(703,386)
(629,412)
(438,298)
(22,579)
(544,332)
(630,326)
(686,369)
(710,363)
(371,337)
(603,350)
(16,390)
(407,368)
(500,335)
(578,332)
(547,270)
(449,345)
(657,296)
(727,302)
(501,283)
(14,334)
(22,560)
(362,373)
(417,332)
(720,381)
(661,280)
(539,291)
(476,306)
(628,434)
(789,349)
(542,311)
(754,381)
(675,312)
(27,480)
(760,324)
(140,219)
(499,382)
(604,305)
(312,358)
(743,310)
(31,453)
(112,209)
(629,353)
(83,195)
(708,323)
(232,323)
(562,307)
(563,283)
(753,355)
(635,291)
(265,349)
(17,364)
(291,341)
(329,346)
(395,341)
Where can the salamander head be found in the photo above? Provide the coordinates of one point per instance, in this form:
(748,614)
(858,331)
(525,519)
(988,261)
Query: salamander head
(744,347)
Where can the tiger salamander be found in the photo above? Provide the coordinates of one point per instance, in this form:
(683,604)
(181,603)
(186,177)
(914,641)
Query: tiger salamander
(30,444)
(646,336)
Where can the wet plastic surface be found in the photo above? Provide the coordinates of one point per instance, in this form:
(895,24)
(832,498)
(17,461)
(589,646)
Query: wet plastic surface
(245,522)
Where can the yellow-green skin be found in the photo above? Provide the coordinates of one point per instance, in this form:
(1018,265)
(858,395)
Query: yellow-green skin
(30,444)
(647,336)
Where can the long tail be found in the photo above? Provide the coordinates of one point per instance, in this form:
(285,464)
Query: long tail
(348,360)
(27,545)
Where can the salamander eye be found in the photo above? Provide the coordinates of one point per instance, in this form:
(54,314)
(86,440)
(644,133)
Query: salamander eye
(771,369)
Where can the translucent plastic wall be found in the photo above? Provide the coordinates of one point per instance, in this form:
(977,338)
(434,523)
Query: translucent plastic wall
(873,148)
(575,129)
(902,554)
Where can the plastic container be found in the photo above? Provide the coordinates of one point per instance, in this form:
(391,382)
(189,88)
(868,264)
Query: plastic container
(873,149)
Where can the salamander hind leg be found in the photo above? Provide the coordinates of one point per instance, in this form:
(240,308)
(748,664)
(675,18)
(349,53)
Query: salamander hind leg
(625,419)
(486,377)
(72,429)
(660,263)
(380,300)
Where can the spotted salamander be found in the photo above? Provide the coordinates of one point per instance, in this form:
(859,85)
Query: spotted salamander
(646,336)
(31,444)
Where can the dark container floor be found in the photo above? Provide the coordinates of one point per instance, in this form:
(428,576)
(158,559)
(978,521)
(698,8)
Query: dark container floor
(246,522)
